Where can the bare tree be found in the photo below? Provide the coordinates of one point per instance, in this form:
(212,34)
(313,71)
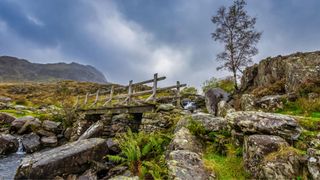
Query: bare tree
(235,29)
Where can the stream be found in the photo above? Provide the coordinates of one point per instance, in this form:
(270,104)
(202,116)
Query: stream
(10,163)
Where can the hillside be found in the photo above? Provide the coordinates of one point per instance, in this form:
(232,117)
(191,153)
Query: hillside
(17,70)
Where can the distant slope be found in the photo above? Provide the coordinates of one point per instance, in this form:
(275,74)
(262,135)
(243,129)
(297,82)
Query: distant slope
(17,70)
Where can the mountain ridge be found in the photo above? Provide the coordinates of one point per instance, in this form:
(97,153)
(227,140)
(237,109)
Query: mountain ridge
(13,69)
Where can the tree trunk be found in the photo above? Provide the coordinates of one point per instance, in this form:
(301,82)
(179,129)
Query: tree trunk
(235,80)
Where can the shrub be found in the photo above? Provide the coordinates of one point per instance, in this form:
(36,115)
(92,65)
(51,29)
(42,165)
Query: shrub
(196,128)
(143,154)
(189,91)
(226,84)
(310,86)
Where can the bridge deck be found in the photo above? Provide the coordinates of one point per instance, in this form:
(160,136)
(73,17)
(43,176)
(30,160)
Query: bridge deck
(120,109)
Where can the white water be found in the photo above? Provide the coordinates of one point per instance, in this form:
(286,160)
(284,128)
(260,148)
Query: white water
(10,163)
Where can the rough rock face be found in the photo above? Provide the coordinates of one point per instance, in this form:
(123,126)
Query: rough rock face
(184,140)
(281,166)
(213,97)
(224,108)
(247,102)
(256,147)
(51,125)
(294,70)
(313,163)
(210,122)
(93,131)
(79,127)
(251,122)
(50,141)
(8,144)
(270,103)
(52,163)
(31,142)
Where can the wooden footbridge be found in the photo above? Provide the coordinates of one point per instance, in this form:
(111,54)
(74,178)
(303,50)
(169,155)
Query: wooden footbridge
(129,102)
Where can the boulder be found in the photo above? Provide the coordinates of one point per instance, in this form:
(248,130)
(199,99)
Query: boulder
(29,126)
(283,164)
(78,128)
(224,108)
(71,158)
(213,97)
(19,122)
(51,125)
(31,142)
(210,122)
(270,103)
(159,121)
(247,102)
(6,118)
(50,141)
(166,107)
(252,122)
(93,131)
(43,132)
(184,140)
(313,163)
(187,165)
(9,144)
(256,147)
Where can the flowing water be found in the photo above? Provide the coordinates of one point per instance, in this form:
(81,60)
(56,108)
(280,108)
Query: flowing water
(10,163)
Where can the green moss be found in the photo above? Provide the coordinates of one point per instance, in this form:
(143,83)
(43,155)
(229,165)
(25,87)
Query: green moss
(225,167)
(196,128)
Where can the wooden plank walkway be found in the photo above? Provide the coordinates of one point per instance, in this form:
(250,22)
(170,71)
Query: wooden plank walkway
(120,109)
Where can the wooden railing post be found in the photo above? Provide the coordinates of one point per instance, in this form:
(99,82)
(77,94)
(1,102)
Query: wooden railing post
(86,99)
(154,88)
(128,100)
(97,98)
(109,101)
(178,95)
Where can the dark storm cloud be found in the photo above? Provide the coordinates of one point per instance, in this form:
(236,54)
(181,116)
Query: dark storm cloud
(132,39)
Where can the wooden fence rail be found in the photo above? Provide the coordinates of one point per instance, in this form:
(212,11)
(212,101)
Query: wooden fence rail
(128,98)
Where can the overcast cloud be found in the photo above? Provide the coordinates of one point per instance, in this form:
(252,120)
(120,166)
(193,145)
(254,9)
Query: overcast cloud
(132,39)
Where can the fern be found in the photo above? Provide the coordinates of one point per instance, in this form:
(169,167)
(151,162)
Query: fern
(115,158)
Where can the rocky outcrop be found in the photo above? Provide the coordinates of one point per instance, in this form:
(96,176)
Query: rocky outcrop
(213,97)
(247,102)
(256,147)
(313,163)
(70,158)
(156,121)
(8,144)
(251,122)
(289,72)
(224,108)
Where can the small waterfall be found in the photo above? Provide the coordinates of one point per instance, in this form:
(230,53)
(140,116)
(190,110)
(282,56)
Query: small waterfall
(20,149)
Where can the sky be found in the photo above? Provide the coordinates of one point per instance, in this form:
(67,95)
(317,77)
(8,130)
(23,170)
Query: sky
(133,39)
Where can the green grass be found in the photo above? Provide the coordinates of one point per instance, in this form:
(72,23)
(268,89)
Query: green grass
(22,113)
(225,167)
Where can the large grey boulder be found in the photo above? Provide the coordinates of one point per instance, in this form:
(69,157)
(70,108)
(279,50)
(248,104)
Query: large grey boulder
(313,163)
(8,144)
(256,147)
(71,158)
(93,131)
(252,122)
(31,142)
(210,122)
(187,165)
(213,97)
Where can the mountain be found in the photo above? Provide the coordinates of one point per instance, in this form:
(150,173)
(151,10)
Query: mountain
(13,69)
